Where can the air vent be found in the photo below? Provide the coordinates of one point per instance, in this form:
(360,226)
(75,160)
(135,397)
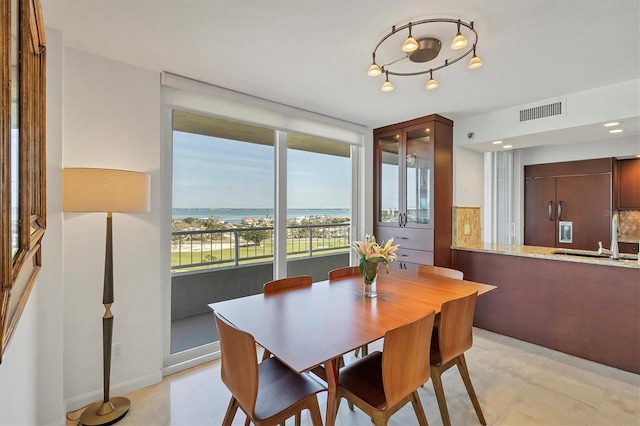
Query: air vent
(541,111)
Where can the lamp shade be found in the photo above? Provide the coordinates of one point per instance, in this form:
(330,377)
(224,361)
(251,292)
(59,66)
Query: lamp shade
(104,190)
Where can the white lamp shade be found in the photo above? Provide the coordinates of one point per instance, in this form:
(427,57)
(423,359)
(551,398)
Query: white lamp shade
(104,190)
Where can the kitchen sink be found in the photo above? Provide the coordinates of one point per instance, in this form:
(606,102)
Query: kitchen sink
(623,256)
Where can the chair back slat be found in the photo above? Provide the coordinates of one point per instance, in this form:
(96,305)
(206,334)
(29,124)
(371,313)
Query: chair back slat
(405,358)
(343,272)
(442,271)
(455,334)
(287,283)
(239,369)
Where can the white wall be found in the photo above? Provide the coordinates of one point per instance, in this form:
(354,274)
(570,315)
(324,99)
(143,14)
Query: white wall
(618,147)
(468,182)
(111,120)
(31,377)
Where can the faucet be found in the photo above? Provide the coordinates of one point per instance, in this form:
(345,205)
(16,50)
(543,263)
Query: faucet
(615,228)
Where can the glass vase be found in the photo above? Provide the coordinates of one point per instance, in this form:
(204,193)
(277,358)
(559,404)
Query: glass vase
(370,275)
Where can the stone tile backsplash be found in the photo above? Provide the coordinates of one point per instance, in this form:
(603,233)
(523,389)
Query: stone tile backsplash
(472,219)
(629,225)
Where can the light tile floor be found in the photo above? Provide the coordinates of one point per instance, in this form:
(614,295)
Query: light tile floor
(517,384)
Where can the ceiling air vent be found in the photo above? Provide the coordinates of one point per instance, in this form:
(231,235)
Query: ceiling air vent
(541,111)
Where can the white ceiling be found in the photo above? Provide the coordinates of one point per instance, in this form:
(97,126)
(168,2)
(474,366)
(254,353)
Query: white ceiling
(314,54)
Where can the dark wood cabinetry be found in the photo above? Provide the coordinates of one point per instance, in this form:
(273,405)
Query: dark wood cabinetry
(627,184)
(568,204)
(413,189)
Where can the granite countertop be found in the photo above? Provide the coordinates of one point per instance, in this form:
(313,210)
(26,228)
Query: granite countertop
(553,253)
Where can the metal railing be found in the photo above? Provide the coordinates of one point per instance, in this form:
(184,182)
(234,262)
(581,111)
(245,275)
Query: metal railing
(204,249)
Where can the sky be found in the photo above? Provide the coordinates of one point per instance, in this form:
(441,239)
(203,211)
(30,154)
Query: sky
(211,172)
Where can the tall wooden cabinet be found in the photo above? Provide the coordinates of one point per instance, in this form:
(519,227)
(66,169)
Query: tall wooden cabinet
(413,189)
(568,204)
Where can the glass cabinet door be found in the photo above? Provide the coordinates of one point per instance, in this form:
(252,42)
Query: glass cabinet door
(388,146)
(419,175)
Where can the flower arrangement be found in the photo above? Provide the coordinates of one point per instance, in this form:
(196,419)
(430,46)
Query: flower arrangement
(372,254)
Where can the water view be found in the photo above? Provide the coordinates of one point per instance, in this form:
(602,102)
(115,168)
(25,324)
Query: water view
(235,216)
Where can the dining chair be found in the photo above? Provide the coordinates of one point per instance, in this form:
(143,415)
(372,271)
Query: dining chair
(348,271)
(449,342)
(285,284)
(268,392)
(383,382)
(441,270)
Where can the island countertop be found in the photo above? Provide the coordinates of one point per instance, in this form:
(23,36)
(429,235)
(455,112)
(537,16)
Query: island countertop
(553,253)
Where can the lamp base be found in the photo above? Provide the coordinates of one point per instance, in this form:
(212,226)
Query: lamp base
(105,413)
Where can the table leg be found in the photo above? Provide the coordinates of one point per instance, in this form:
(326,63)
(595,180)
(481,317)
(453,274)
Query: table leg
(331,370)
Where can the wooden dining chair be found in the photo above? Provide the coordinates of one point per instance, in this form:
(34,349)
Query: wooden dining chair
(268,392)
(383,382)
(285,284)
(449,342)
(441,270)
(348,271)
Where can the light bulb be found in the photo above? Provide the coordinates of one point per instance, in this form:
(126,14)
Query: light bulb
(387,86)
(474,63)
(431,84)
(410,45)
(374,70)
(459,42)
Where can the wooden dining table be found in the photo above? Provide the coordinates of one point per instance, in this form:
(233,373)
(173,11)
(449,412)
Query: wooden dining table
(311,327)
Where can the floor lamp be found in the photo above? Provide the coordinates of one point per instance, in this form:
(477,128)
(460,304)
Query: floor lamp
(106,191)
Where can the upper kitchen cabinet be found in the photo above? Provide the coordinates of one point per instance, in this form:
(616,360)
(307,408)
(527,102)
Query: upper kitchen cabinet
(568,204)
(413,189)
(627,184)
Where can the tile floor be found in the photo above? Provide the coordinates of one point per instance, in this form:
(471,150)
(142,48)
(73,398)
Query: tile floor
(517,384)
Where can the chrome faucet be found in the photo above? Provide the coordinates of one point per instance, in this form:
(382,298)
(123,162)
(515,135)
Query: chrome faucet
(615,229)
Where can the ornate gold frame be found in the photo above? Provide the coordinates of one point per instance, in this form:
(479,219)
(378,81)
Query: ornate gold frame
(21,254)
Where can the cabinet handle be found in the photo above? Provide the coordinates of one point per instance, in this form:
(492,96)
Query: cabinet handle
(400,238)
(402,255)
(400,219)
(559,210)
(551,211)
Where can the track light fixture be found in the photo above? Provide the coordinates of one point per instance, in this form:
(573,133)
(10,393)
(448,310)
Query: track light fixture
(423,49)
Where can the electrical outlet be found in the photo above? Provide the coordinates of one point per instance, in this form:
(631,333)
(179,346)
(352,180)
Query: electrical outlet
(467,229)
(116,353)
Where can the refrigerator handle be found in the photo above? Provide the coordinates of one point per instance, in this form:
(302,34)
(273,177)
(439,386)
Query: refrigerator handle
(551,211)
(559,210)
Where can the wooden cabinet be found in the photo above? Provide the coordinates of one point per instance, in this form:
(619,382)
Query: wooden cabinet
(627,184)
(568,204)
(413,189)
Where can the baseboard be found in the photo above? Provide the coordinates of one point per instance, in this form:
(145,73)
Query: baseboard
(193,362)
(80,401)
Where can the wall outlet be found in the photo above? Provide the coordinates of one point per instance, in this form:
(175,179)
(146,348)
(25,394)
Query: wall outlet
(467,229)
(116,352)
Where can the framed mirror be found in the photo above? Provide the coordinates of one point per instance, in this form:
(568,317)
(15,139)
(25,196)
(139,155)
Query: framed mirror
(22,158)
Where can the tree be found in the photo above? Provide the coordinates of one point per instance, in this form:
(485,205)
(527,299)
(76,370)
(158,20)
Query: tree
(256,235)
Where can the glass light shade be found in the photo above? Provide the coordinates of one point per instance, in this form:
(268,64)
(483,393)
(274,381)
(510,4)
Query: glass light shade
(387,86)
(410,45)
(459,42)
(374,70)
(474,63)
(431,84)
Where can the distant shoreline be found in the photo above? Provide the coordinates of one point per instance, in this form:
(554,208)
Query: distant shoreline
(235,215)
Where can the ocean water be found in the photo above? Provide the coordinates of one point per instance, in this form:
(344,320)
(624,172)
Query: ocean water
(236,215)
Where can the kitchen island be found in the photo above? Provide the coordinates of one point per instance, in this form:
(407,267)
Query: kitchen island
(575,303)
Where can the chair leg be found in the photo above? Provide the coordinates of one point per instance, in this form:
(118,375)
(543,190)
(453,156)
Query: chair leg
(314,411)
(417,407)
(439,391)
(464,372)
(231,412)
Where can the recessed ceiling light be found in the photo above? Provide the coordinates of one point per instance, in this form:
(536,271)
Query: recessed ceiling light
(615,131)
(507,146)
(497,142)
(613,123)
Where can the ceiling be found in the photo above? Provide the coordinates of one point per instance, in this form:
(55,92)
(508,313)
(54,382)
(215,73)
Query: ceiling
(314,55)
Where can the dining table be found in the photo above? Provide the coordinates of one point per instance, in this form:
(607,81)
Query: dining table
(311,328)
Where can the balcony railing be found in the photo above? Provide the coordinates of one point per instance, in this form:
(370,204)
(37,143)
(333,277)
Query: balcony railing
(203,249)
